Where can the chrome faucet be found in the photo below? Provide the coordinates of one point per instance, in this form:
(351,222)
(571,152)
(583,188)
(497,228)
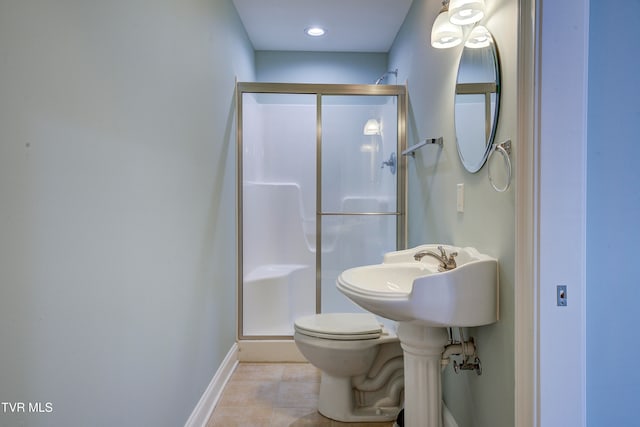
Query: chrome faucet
(446,262)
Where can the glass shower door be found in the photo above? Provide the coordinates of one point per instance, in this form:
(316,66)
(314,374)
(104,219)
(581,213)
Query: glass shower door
(278,212)
(358,207)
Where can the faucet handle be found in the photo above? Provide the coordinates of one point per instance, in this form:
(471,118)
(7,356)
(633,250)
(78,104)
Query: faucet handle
(451,262)
(442,251)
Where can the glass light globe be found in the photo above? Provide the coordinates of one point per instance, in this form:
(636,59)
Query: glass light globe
(465,12)
(479,37)
(372,127)
(444,34)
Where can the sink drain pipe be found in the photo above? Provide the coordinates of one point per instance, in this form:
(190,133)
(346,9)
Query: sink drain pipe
(466,349)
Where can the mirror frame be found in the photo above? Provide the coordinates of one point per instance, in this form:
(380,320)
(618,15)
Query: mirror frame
(486,89)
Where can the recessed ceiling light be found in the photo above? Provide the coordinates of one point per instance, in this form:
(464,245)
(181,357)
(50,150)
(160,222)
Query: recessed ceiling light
(315,31)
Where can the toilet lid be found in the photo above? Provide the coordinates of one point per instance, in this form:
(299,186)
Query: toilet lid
(340,326)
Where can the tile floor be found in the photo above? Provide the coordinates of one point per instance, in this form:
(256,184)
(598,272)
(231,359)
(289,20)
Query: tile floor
(274,395)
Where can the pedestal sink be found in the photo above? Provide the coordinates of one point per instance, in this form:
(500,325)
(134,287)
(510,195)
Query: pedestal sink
(425,301)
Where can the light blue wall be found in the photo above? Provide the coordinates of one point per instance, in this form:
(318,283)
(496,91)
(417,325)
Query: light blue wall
(117,218)
(320,67)
(613,215)
(489,219)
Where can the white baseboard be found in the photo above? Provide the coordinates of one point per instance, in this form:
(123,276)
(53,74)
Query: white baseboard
(209,399)
(269,351)
(244,351)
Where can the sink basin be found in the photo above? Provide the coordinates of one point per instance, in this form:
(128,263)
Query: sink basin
(406,290)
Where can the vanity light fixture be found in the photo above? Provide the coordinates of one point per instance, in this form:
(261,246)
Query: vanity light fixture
(315,31)
(372,127)
(478,38)
(444,34)
(447,28)
(465,12)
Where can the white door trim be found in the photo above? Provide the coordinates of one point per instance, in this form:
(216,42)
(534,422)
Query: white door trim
(527,234)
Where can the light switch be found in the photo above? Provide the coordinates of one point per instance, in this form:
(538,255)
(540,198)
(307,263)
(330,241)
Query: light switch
(460,198)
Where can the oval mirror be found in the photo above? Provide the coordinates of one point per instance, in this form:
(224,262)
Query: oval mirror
(477,99)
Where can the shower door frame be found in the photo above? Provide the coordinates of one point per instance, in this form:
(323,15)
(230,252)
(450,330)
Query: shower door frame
(319,90)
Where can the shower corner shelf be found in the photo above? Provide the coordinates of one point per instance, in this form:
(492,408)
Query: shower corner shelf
(411,151)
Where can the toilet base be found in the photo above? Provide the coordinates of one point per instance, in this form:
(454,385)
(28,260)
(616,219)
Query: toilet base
(336,400)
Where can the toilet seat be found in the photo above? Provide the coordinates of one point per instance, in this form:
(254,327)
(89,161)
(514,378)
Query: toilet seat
(340,326)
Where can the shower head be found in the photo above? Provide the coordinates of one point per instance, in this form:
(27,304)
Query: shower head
(382,77)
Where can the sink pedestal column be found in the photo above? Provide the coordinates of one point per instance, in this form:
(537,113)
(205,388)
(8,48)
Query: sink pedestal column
(423,347)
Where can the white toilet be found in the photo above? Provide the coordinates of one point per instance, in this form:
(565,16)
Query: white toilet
(361,363)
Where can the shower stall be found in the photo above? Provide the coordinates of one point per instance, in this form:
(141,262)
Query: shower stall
(320,189)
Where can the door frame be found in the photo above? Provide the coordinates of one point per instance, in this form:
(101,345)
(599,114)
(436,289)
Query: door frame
(550,347)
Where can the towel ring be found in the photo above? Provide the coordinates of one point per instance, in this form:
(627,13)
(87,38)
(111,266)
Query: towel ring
(503,148)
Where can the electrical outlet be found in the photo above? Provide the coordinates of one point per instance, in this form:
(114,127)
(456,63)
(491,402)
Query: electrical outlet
(561,293)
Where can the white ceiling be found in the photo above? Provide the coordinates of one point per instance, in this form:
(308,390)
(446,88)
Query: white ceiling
(352,25)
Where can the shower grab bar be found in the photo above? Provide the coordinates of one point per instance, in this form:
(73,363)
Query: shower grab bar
(412,150)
